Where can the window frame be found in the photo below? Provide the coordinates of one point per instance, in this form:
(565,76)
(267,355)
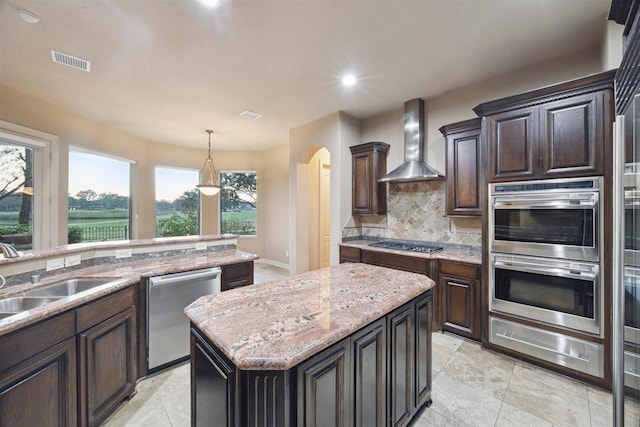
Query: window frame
(46,160)
(220,200)
(132,226)
(198,173)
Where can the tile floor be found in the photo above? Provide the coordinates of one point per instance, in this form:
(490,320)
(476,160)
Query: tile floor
(471,387)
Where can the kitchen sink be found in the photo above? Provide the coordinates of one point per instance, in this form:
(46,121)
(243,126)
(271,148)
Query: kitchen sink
(41,296)
(68,287)
(15,305)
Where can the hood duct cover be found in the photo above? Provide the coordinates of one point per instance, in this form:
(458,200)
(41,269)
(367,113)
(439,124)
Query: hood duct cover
(413,168)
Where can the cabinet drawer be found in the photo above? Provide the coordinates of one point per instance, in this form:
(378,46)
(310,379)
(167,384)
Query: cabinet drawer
(94,313)
(33,339)
(457,269)
(349,254)
(399,262)
(237,275)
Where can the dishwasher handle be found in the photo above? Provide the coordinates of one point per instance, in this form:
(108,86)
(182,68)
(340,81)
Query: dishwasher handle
(186,276)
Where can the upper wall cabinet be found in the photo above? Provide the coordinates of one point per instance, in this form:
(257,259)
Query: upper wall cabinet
(463,167)
(369,163)
(557,131)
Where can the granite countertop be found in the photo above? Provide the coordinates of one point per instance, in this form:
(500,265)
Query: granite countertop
(458,253)
(276,325)
(124,274)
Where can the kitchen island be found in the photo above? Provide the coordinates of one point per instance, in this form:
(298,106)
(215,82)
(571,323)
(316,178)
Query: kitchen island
(349,344)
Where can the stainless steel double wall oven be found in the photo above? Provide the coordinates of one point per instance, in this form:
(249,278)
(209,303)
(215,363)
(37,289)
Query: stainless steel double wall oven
(545,251)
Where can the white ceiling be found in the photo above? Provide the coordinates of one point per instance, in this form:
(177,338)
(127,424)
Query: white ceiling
(166,70)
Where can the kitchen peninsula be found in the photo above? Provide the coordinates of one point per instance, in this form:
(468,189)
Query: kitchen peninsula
(341,345)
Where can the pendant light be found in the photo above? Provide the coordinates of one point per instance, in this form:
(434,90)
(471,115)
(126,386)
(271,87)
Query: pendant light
(209,178)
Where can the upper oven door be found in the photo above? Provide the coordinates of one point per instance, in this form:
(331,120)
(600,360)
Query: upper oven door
(558,223)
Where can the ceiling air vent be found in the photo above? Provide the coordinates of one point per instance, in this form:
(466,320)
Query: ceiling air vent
(250,115)
(70,61)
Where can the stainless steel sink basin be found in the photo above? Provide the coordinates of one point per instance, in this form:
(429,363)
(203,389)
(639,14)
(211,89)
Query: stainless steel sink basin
(15,305)
(68,287)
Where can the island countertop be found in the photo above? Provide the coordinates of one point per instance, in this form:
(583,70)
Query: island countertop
(276,325)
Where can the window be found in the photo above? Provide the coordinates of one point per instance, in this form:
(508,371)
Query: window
(98,197)
(238,203)
(177,202)
(16,195)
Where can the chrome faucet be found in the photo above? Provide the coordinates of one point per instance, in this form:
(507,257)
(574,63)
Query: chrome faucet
(8,251)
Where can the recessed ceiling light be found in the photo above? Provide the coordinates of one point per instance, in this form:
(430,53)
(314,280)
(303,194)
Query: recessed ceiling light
(29,17)
(349,80)
(210,3)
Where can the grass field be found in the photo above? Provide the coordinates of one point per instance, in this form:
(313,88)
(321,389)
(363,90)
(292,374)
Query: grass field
(117,218)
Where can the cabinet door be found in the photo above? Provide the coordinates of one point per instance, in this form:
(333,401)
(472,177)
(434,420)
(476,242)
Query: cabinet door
(370,375)
(212,386)
(423,320)
(368,164)
(237,275)
(512,147)
(460,305)
(41,391)
(324,388)
(107,366)
(463,157)
(571,135)
(401,365)
(361,191)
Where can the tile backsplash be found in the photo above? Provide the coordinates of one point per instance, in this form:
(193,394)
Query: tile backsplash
(416,211)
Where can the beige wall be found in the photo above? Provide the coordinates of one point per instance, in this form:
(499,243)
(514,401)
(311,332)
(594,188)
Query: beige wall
(336,132)
(75,130)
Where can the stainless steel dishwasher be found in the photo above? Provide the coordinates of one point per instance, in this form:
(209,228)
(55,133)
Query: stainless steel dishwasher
(167,325)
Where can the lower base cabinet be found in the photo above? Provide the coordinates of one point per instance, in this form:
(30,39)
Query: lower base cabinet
(41,391)
(72,369)
(459,293)
(379,376)
(107,366)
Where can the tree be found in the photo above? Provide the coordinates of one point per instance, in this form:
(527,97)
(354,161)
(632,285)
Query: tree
(16,164)
(189,201)
(238,189)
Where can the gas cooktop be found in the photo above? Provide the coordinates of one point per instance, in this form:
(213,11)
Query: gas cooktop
(403,246)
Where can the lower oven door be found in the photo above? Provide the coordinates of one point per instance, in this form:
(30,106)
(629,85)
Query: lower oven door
(560,293)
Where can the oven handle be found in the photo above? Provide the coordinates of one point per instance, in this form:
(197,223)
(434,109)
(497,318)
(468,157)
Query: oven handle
(555,201)
(579,271)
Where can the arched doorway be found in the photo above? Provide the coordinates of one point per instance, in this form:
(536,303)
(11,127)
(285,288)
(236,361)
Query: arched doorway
(319,192)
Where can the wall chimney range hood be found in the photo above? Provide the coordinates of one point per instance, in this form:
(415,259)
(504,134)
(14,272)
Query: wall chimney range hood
(413,168)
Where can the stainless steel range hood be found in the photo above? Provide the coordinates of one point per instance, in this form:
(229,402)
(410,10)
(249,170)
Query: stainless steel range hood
(413,168)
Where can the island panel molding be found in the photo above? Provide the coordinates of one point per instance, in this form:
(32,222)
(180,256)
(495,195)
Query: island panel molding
(328,347)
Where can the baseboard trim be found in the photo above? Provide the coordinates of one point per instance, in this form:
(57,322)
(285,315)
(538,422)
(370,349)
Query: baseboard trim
(272,262)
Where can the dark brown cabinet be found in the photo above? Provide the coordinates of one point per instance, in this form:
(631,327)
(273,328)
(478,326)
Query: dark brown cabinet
(349,254)
(324,388)
(378,376)
(212,380)
(237,275)
(557,131)
(72,369)
(41,390)
(368,163)
(460,294)
(369,375)
(107,366)
(463,168)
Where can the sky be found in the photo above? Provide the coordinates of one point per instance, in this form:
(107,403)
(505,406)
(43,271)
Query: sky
(107,175)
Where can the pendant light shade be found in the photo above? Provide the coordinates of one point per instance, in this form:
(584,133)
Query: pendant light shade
(208,177)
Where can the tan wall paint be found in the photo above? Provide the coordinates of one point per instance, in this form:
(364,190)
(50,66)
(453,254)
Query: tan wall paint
(72,129)
(612,45)
(336,132)
(274,201)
